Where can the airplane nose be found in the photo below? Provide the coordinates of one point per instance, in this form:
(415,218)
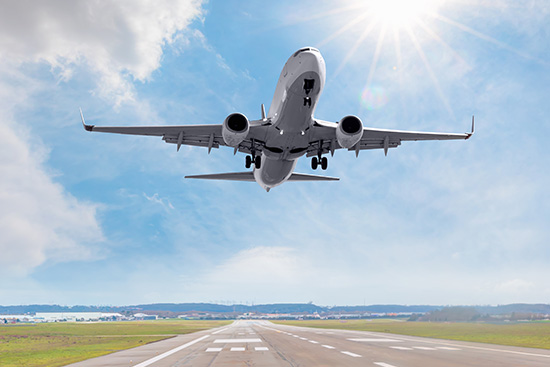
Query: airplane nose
(311,61)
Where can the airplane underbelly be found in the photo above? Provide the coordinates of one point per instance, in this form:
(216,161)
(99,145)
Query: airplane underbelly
(273,172)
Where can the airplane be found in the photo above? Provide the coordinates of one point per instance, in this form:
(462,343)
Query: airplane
(274,143)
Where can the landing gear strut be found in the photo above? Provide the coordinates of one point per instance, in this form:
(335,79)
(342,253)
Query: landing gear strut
(308,87)
(315,162)
(256,159)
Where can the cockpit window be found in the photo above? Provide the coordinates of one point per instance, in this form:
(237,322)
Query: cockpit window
(305,49)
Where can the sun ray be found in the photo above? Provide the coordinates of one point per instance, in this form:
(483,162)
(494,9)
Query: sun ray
(341,30)
(321,15)
(441,41)
(418,48)
(397,45)
(376,55)
(352,51)
(295,21)
(487,38)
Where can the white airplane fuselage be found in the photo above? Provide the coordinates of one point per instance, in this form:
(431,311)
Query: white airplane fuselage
(291,115)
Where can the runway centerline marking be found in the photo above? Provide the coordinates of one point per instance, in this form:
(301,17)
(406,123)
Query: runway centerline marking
(377,340)
(313,341)
(237,341)
(448,348)
(328,346)
(261,348)
(402,348)
(382,364)
(351,354)
(170,352)
(214,349)
(237,349)
(424,348)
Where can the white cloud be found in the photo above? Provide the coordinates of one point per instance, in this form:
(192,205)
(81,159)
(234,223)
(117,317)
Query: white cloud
(119,42)
(39,220)
(113,38)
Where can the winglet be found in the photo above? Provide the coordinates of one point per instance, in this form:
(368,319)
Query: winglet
(86,127)
(473,129)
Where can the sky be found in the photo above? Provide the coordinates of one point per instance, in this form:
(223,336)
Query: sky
(105,219)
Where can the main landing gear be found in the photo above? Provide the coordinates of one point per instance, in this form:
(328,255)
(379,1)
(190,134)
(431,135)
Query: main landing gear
(315,162)
(256,159)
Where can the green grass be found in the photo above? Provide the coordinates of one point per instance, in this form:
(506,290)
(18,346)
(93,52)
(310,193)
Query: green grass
(58,344)
(532,335)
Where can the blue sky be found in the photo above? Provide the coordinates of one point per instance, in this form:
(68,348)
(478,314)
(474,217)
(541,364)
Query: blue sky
(109,219)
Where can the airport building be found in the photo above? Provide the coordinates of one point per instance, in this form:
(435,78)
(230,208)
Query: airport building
(77,316)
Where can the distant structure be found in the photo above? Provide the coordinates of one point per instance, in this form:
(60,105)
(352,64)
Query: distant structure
(143,316)
(77,316)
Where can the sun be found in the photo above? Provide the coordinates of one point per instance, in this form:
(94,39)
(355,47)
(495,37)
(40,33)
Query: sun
(399,13)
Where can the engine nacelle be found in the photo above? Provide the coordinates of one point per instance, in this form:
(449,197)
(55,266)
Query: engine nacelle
(349,131)
(235,129)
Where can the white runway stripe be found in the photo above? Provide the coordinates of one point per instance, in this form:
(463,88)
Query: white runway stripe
(219,331)
(261,348)
(382,364)
(313,341)
(448,348)
(424,348)
(402,348)
(237,341)
(214,349)
(384,340)
(328,346)
(238,349)
(170,352)
(351,354)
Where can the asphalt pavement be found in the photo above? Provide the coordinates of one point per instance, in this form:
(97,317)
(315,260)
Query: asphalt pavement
(261,343)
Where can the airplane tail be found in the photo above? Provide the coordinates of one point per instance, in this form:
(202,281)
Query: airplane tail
(249,176)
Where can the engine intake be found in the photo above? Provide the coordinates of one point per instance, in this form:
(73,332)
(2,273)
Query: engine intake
(349,131)
(235,129)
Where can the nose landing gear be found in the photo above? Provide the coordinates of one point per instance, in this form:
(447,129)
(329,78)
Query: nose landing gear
(308,87)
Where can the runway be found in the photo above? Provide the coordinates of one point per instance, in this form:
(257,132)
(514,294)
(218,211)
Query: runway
(261,343)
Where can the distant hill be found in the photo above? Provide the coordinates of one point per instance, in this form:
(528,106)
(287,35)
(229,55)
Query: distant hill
(514,308)
(277,308)
(385,308)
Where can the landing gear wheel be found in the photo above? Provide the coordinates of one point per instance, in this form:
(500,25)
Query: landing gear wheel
(248,161)
(314,163)
(324,163)
(258,162)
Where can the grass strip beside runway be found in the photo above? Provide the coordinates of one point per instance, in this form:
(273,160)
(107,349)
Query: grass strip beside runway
(528,334)
(58,344)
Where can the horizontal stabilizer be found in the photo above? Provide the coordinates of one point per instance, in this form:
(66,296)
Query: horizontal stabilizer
(232,176)
(249,176)
(306,177)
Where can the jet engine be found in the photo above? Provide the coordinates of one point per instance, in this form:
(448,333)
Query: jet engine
(235,129)
(349,131)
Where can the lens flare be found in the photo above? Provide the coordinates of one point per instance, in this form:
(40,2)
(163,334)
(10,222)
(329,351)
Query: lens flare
(374,97)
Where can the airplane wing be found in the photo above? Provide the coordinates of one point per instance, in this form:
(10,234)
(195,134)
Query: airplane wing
(209,136)
(325,138)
